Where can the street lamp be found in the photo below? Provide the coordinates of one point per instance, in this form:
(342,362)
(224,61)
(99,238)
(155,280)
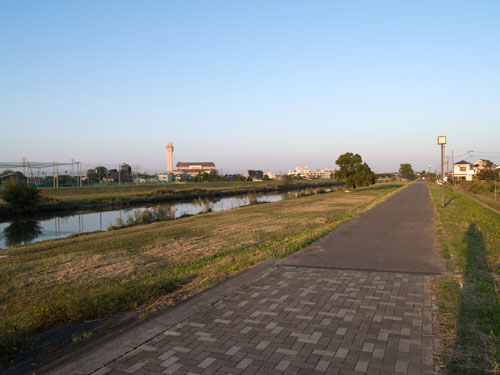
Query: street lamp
(442,142)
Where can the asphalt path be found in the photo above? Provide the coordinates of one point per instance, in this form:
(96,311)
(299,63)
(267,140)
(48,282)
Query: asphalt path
(398,235)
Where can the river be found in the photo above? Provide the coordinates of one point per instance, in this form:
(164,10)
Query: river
(29,229)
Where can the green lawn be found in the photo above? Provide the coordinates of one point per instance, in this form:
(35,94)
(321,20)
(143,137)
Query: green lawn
(469,235)
(52,283)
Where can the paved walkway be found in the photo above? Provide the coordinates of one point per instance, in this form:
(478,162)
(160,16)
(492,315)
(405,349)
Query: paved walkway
(326,311)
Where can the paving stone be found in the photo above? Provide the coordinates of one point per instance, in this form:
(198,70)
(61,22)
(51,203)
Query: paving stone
(282,365)
(102,371)
(346,322)
(361,366)
(244,363)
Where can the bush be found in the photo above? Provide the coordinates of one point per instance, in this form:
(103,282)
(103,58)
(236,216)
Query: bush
(488,174)
(19,196)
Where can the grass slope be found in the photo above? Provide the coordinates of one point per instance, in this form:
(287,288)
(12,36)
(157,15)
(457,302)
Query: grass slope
(469,235)
(56,282)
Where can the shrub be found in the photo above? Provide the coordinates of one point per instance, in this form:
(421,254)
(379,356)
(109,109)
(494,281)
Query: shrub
(19,196)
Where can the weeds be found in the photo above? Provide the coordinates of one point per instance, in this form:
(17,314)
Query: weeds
(145,216)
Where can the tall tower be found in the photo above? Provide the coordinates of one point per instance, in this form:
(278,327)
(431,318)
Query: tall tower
(170,151)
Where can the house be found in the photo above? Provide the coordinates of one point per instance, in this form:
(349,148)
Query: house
(463,171)
(482,164)
(194,168)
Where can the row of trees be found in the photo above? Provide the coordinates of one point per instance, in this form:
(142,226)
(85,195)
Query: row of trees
(214,176)
(99,173)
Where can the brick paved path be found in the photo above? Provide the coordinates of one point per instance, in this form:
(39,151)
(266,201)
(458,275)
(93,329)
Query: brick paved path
(298,320)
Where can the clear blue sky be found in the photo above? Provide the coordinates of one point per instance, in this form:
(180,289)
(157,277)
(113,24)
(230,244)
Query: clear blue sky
(249,84)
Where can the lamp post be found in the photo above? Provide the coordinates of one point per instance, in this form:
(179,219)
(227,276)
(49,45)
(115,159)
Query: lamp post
(442,142)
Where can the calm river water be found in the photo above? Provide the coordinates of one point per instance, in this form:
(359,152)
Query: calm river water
(34,229)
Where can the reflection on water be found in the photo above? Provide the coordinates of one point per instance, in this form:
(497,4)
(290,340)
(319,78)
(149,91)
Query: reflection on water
(21,232)
(24,231)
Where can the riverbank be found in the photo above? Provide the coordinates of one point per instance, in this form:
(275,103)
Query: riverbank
(481,191)
(62,282)
(107,197)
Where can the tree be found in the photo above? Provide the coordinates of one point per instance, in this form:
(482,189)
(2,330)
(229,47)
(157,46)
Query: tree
(353,171)
(11,174)
(488,174)
(19,196)
(208,177)
(125,172)
(265,178)
(407,172)
(125,168)
(101,172)
(91,176)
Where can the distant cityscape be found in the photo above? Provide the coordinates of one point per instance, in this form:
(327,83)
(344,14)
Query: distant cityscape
(72,173)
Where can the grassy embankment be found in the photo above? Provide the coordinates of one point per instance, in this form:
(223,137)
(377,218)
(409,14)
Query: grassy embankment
(56,282)
(102,196)
(469,294)
(483,191)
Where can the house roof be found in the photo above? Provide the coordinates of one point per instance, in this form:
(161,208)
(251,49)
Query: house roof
(202,163)
(463,162)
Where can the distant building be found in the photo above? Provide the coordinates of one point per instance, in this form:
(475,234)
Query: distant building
(165,177)
(308,174)
(194,168)
(480,165)
(271,175)
(463,171)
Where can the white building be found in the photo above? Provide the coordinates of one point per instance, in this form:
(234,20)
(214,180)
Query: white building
(307,173)
(271,175)
(463,171)
(165,177)
(194,168)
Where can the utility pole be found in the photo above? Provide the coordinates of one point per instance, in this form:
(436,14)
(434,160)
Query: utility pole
(453,167)
(442,142)
(119,175)
(79,171)
(57,174)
